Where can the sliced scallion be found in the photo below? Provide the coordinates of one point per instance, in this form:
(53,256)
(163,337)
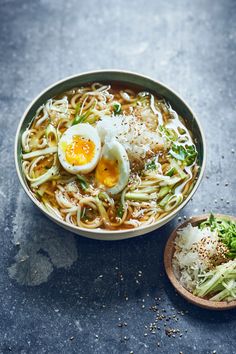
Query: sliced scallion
(140,196)
(83,182)
(79,119)
(170,172)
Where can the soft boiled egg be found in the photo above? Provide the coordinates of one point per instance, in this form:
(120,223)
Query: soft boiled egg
(79,149)
(113,169)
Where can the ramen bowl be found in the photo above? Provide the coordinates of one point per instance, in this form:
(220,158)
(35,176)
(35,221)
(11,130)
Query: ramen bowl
(122,78)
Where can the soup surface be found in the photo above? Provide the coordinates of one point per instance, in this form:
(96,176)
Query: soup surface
(108,156)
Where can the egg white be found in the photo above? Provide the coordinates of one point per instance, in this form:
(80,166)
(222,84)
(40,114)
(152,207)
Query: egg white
(113,150)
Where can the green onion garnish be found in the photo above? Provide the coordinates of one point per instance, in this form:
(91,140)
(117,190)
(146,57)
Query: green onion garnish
(151,165)
(79,119)
(83,182)
(120,211)
(117,108)
(170,172)
(187,154)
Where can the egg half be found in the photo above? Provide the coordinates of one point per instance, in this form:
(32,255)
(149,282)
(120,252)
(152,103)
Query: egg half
(79,149)
(113,169)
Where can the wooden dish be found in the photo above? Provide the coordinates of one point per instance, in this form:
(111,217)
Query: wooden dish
(168,254)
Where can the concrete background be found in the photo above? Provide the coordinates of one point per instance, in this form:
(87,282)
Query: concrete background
(95,297)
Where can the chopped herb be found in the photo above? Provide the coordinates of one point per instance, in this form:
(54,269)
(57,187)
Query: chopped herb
(151,165)
(187,154)
(179,152)
(169,133)
(120,211)
(170,172)
(191,154)
(117,108)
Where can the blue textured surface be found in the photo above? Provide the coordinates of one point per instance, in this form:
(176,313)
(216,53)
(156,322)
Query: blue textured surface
(101,302)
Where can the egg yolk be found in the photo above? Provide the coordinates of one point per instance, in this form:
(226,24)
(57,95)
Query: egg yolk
(107,172)
(80,152)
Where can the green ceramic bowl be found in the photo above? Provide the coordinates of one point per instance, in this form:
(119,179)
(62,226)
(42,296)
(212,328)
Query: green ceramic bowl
(110,76)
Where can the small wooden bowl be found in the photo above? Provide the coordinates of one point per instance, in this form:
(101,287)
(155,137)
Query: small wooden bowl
(168,255)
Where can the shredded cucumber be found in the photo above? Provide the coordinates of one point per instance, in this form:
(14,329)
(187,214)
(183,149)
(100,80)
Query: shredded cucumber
(221,280)
(140,196)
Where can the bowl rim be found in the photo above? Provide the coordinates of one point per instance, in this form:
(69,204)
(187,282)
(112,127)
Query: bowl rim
(168,256)
(75,228)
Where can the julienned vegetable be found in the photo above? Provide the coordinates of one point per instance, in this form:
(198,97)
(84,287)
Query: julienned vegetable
(205,261)
(220,281)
